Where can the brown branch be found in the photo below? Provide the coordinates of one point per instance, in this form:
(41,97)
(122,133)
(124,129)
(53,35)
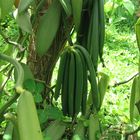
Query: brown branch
(126,81)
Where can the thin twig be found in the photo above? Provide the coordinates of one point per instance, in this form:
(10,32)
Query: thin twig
(5,68)
(124,82)
(131,133)
(40,81)
(50,89)
(7,40)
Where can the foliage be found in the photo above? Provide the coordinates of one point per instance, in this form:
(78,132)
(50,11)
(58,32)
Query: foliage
(120,59)
(121,13)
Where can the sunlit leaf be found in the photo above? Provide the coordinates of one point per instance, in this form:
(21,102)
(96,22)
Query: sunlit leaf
(102,85)
(8,132)
(1,79)
(23,20)
(94,127)
(8,50)
(129,6)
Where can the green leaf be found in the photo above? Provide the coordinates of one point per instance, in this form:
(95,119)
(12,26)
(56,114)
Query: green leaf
(39,87)
(129,6)
(38,98)
(79,132)
(66,6)
(138,106)
(23,5)
(23,20)
(42,114)
(27,72)
(8,50)
(135,97)
(47,28)
(29,85)
(5,7)
(1,79)
(94,127)
(77,11)
(76,137)
(55,130)
(47,138)
(102,86)
(108,6)
(8,132)
(54,113)
(137,30)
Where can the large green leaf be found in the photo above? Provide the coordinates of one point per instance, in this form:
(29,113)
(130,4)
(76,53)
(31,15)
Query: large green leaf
(5,7)
(55,130)
(94,127)
(134,98)
(48,27)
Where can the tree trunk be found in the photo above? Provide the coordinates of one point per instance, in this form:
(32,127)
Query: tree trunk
(42,67)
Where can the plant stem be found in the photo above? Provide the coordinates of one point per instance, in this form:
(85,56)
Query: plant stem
(7,104)
(126,81)
(131,133)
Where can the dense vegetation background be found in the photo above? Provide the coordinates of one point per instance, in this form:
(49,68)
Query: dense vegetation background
(121,58)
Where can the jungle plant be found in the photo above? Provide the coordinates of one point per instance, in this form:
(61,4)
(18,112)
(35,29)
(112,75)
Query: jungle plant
(69,107)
